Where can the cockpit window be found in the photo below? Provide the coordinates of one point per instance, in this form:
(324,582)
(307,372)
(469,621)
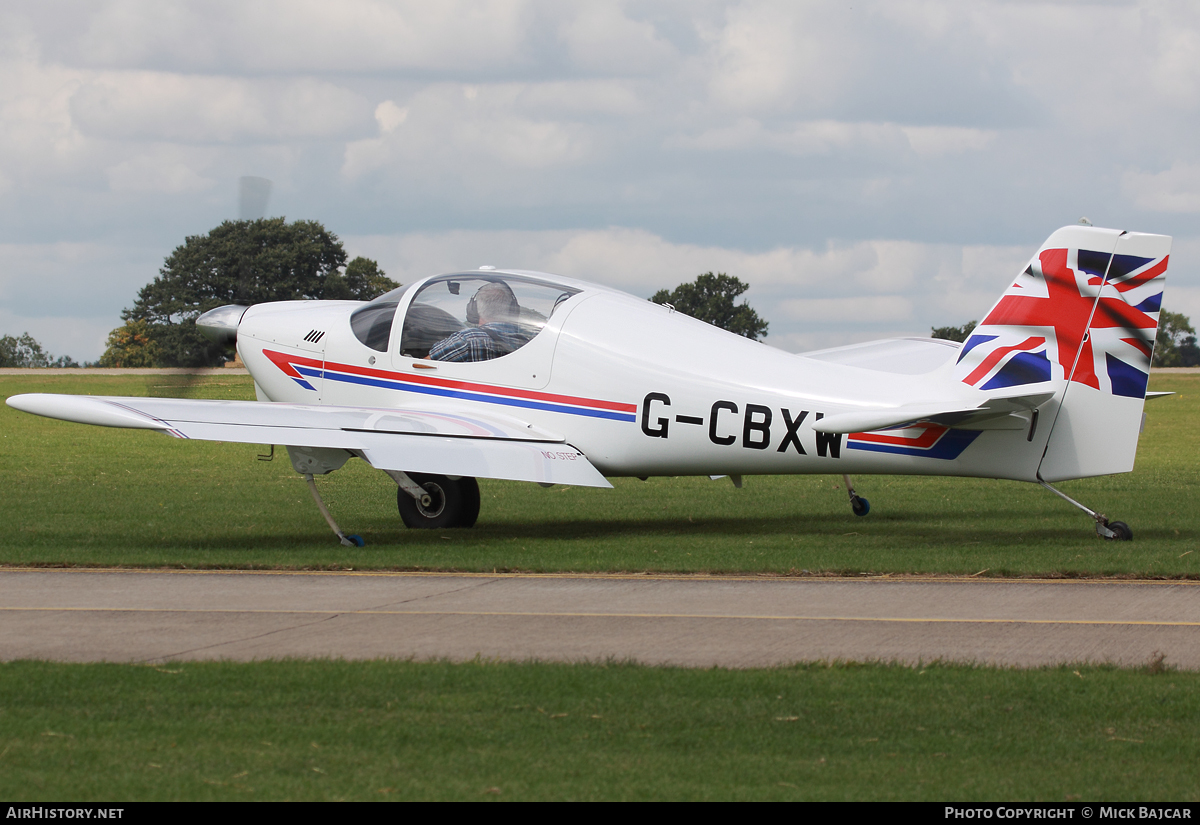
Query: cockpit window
(478,317)
(391,296)
(372,323)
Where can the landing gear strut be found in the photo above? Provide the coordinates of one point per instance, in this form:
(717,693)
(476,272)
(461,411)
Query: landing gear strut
(1105,529)
(858,504)
(352,540)
(310,461)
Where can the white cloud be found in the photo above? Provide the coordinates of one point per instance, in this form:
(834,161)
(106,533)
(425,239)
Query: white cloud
(389,116)
(37,135)
(613,98)
(827,137)
(164,170)
(1175,52)
(451,129)
(854,310)
(600,38)
(189,109)
(805,138)
(773,55)
(305,35)
(1174,190)
(932,141)
(129,33)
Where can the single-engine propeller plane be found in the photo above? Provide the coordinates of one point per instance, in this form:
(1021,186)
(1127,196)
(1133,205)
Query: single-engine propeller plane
(512,374)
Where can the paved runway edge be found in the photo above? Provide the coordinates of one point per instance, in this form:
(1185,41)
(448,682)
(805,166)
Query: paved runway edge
(72,614)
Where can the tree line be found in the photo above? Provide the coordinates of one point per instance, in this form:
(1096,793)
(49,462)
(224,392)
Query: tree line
(25,352)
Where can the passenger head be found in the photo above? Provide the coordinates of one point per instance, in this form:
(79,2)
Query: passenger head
(496,303)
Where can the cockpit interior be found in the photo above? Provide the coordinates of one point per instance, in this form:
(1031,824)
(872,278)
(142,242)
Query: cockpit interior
(463,317)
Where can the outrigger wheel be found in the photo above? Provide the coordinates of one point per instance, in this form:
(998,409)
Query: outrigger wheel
(858,504)
(451,502)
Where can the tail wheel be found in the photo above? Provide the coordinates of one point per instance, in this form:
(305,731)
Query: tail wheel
(1121,531)
(452,503)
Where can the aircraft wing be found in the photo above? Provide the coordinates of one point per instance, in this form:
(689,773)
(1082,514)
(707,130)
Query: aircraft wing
(411,440)
(991,413)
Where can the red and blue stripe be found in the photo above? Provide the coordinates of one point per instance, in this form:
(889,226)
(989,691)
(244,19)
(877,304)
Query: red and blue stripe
(934,442)
(300,368)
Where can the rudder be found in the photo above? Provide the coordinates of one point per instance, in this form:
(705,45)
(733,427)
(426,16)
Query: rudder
(1097,426)
(1080,319)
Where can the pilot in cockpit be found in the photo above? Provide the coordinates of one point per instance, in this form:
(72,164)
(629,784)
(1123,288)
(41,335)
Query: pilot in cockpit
(496,312)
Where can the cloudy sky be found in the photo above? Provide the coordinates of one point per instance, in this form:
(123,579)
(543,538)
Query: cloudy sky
(870,168)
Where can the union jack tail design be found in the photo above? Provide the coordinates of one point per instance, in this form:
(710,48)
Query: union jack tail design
(1086,312)
(1081,320)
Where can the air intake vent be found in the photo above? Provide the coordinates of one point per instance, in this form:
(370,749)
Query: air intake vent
(314,336)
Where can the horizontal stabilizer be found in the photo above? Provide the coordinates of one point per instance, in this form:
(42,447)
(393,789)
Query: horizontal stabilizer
(864,421)
(899,356)
(422,441)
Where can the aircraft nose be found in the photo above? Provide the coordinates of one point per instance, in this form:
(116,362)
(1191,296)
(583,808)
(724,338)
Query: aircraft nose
(220,325)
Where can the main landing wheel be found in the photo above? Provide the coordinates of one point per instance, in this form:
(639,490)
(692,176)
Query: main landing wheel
(860,505)
(452,503)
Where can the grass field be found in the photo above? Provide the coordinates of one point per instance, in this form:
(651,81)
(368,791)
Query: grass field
(83,495)
(403,730)
(382,730)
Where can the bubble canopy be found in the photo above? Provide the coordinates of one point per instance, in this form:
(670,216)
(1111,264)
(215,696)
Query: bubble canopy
(464,316)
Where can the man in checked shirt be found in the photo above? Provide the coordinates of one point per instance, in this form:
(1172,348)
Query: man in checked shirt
(497,333)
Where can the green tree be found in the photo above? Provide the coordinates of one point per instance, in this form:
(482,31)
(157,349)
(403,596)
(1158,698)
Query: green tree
(25,352)
(710,299)
(130,346)
(243,262)
(959,334)
(1175,345)
(365,280)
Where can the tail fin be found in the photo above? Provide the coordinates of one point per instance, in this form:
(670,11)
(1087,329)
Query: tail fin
(1082,319)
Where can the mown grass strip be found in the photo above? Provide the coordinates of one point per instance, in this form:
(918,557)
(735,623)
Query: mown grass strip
(90,496)
(482,730)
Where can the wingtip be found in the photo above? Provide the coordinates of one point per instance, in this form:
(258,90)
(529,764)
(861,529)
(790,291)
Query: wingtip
(83,409)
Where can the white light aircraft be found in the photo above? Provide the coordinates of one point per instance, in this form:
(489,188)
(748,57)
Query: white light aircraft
(558,381)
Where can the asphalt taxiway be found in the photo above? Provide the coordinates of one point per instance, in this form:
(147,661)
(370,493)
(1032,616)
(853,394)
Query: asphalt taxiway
(153,616)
